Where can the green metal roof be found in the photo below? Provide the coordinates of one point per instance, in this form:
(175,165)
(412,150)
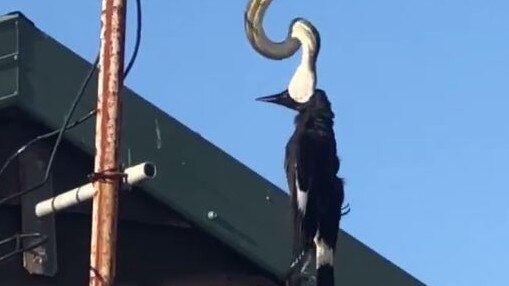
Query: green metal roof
(41,76)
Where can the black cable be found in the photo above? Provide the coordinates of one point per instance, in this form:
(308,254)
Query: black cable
(44,136)
(138,39)
(18,239)
(65,126)
(57,142)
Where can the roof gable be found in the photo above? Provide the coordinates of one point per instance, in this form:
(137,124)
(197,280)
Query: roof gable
(195,178)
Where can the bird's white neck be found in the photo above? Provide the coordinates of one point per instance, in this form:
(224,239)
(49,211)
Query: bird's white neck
(303,83)
(308,53)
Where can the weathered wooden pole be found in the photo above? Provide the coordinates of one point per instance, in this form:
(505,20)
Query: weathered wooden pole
(107,162)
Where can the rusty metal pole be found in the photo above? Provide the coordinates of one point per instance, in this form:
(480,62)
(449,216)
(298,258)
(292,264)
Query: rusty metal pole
(107,161)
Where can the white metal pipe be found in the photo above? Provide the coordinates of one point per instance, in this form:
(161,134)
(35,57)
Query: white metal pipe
(135,174)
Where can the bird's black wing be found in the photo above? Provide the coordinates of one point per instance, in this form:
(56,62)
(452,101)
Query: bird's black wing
(310,165)
(291,172)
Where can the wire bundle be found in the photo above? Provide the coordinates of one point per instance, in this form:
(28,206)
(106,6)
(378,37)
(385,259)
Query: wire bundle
(66,125)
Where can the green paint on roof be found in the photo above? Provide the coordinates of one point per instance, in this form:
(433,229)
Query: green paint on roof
(41,76)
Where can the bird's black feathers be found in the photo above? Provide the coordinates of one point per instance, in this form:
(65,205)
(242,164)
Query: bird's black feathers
(311,158)
(311,165)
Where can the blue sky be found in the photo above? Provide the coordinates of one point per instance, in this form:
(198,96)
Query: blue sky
(421,94)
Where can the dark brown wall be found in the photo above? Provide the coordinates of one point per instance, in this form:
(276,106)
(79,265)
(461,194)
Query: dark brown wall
(156,246)
(147,255)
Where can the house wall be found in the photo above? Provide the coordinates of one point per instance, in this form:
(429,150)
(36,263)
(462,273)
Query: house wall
(155,246)
(146,256)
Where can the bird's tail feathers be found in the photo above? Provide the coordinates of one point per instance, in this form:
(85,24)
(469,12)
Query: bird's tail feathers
(325,275)
(324,263)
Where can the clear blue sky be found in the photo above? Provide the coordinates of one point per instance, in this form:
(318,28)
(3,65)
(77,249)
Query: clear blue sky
(421,94)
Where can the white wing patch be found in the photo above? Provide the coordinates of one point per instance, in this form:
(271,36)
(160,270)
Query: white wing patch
(324,253)
(302,196)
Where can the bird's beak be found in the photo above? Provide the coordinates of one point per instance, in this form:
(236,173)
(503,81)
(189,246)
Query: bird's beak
(281,98)
(270,98)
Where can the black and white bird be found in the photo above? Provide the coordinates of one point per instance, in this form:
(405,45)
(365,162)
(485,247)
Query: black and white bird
(311,162)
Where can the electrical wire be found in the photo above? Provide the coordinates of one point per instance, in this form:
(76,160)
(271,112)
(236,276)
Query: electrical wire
(18,238)
(44,136)
(58,140)
(138,39)
(65,126)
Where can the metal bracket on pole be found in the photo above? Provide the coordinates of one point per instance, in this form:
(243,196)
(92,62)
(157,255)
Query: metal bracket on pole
(86,192)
